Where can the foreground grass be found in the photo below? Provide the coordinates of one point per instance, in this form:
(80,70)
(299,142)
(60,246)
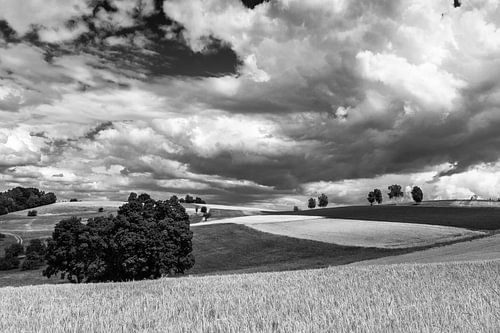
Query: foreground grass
(475,218)
(452,297)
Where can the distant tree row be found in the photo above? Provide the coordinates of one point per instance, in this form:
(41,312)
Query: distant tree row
(190,199)
(395,192)
(20,198)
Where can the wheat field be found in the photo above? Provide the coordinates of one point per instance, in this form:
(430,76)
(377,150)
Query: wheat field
(450,297)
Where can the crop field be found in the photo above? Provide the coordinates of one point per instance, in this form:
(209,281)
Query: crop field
(368,233)
(487,248)
(450,297)
(475,218)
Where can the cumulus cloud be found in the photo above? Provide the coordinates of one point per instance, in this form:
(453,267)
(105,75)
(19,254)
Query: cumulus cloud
(283,100)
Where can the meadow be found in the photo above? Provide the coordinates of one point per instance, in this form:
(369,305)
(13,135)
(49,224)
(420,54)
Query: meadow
(450,297)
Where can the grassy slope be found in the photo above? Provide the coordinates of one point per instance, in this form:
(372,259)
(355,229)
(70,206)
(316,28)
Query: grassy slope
(231,248)
(403,298)
(477,218)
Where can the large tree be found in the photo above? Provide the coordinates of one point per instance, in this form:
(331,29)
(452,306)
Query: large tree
(147,239)
(417,194)
(322,200)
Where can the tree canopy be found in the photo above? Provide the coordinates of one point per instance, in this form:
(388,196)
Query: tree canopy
(322,200)
(417,194)
(395,191)
(146,240)
(20,198)
(311,203)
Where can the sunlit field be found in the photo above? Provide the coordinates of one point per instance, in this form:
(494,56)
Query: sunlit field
(452,297)
(368,233)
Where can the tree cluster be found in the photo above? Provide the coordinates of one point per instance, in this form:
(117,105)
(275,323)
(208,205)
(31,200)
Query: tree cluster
(147,239)
(394,193)
(190,199)
(20,198)
(35,255)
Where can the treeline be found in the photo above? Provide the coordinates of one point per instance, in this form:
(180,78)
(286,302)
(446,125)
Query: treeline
(20,198)
(190,199)
(395,192)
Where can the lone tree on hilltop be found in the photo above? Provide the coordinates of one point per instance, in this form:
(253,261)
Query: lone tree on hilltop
(417,194)
(395,191)
(371,198)
(378,195)
(146,240)
(322,200)
(311,203)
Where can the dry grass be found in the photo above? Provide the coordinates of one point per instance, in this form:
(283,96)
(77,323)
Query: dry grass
(452,297)
(389,235)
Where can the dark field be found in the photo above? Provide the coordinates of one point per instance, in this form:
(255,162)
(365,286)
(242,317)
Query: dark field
(475,218)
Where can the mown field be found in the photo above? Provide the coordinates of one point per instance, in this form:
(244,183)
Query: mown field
(475,218)
(452,297)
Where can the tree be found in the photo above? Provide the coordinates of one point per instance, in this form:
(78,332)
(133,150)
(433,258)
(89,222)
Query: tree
(20,198)
(146,240)
(417,194)
(73,200)
(14,250)
(296,209)
(132,197)
(311,203)
(9,262)
(189,199)
(203,209)
(371,198)
(395,191)
(322,200)
(32,212)
(36,246)
(378,195)
(100,210)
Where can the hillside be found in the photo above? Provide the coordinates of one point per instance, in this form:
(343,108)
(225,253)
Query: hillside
(475,218)
(452,297)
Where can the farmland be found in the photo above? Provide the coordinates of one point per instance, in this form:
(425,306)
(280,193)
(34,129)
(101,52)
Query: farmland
(475,218)
(451,297)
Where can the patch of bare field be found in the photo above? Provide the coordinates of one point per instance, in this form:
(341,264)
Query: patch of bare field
(451,297)
(389,235)
(487,248)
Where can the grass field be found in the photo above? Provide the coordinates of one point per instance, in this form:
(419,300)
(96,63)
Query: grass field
(452,297)
(232,248)
(475,218)
(368,233)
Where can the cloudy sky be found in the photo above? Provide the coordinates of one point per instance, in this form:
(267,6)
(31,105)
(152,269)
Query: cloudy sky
(248,102)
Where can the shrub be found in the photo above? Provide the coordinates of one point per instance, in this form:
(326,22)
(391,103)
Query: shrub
(37,246)
(100,210)
(9,262)
(33,261)
(73,200)
(203,209)
(32,213)
(2,235)
(296,209)
(146,240)
(207,215)
(14,250)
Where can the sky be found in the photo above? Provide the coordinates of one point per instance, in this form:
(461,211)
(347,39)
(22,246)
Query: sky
(250,102)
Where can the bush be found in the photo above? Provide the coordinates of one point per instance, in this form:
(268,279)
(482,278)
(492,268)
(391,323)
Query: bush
(203,209)
(2,235)
(73,200)
(296,209)
(32,213)
(9,262)
(33,261)
(207,215)
(100,210)
(417,194)
(146,240)
(14,250)
(37,246)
